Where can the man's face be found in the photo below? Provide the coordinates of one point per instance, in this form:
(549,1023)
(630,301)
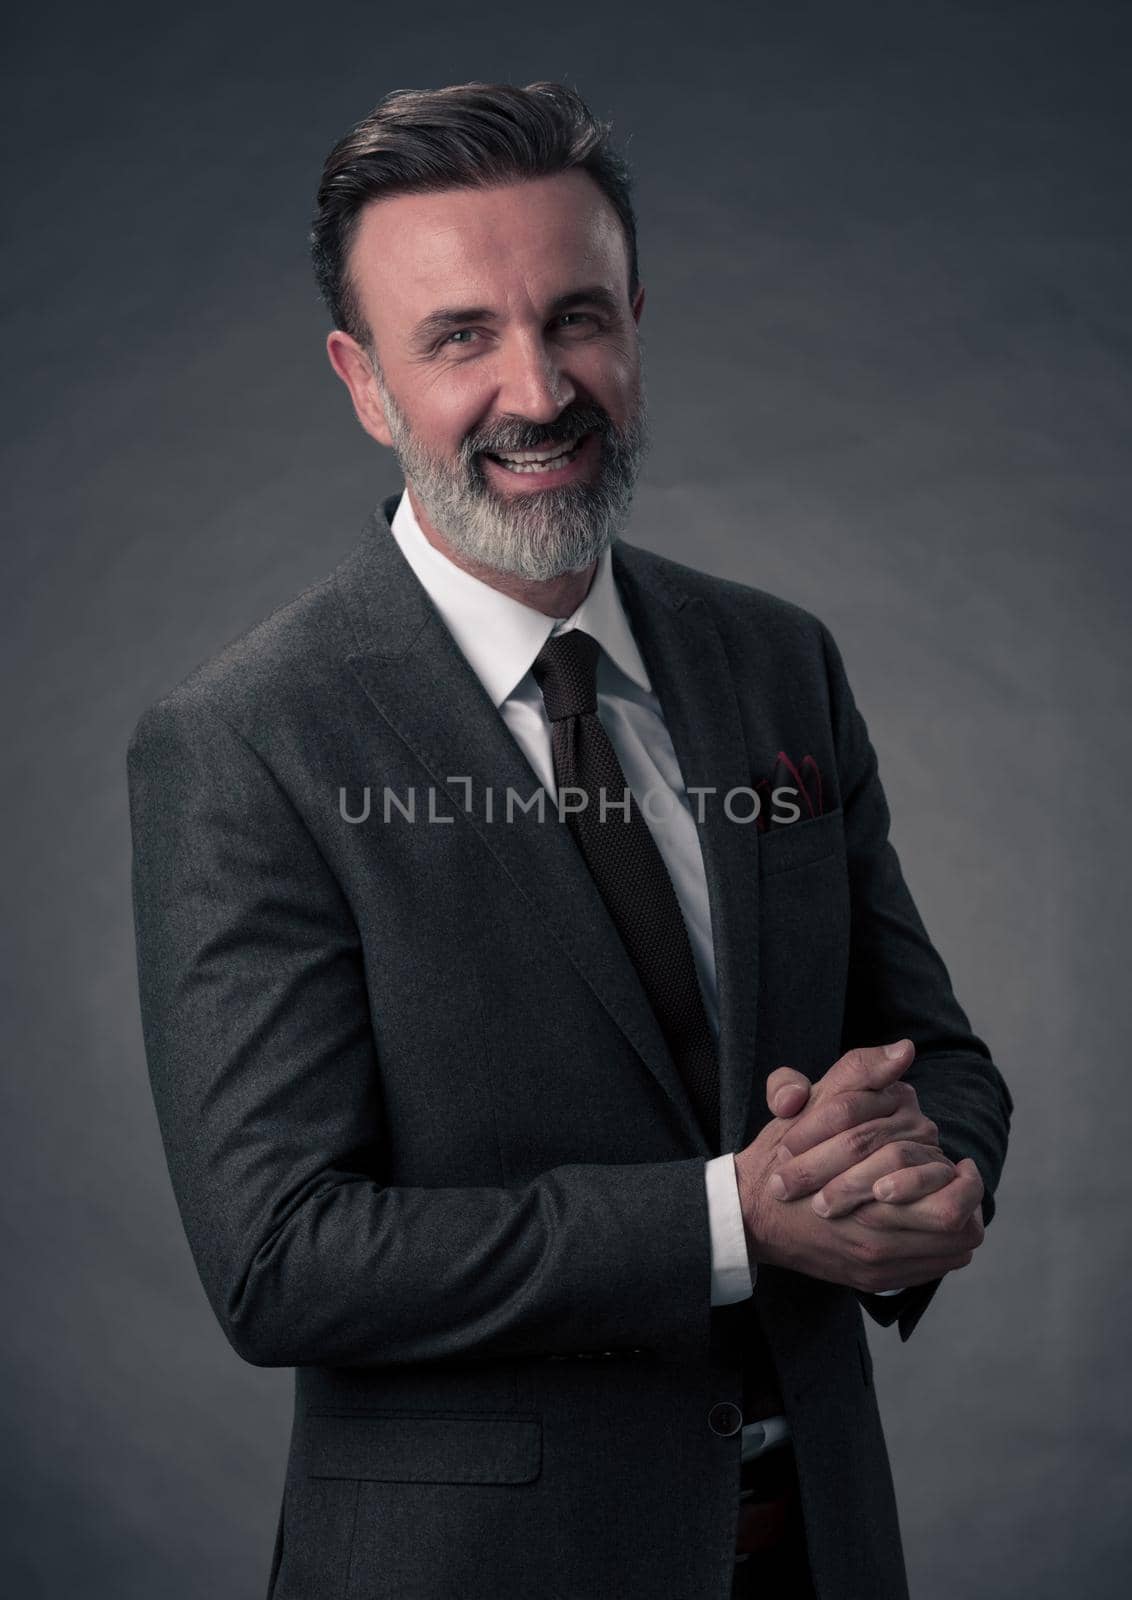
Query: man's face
(502,324)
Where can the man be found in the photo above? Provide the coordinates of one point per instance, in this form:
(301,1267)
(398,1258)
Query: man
(555,1147)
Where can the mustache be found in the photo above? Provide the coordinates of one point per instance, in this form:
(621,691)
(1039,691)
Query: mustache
(570,426)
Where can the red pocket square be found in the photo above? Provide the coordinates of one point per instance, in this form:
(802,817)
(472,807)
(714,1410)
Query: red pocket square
(789,789)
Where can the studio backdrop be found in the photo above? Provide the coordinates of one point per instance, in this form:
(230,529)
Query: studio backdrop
(887,348)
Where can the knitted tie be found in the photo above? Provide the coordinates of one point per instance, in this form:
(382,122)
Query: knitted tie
(626,864)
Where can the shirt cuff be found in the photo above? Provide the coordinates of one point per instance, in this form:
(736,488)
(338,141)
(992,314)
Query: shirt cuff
(732,1275)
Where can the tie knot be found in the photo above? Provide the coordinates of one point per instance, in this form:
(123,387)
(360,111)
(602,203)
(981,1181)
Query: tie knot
(565,669)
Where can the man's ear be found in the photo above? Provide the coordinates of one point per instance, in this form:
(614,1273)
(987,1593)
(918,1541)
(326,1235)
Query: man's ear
(354,368)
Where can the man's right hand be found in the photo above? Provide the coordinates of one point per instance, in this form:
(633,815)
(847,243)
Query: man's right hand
(869,1249)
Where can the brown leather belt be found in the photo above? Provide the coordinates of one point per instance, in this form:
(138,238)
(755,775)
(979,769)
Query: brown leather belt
(768,1501)
(762,1525)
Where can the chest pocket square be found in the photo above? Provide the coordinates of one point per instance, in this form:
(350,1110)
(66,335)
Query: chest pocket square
(792,793)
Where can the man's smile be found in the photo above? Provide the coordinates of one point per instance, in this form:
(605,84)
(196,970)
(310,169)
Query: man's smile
(554,464)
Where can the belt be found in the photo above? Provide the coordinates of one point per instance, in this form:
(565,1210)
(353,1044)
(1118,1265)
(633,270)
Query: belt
(771,1558)
(769,1503)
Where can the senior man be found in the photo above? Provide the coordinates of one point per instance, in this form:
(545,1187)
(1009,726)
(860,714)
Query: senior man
(550,1058)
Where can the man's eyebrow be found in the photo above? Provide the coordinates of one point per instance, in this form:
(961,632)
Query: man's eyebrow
(449,317)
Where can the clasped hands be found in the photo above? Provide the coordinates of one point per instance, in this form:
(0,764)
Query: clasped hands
(888,1208)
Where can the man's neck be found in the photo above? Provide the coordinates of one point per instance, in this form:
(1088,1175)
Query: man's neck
(554,597)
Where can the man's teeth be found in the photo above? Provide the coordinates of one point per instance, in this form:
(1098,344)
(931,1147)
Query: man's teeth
(537,460)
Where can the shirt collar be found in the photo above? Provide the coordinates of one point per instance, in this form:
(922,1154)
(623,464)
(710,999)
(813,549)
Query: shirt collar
(499,635)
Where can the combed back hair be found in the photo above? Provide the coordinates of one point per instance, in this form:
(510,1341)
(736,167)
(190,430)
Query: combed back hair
(465,136)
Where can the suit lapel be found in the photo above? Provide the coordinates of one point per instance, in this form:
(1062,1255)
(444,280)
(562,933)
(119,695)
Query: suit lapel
(417,678)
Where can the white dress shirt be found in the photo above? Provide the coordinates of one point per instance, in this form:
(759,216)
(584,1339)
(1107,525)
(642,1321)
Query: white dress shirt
(500,638)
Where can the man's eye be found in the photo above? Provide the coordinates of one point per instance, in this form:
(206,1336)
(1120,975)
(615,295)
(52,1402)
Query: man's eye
(569,321)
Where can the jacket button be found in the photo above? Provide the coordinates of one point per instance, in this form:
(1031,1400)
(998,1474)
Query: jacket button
(725,1419)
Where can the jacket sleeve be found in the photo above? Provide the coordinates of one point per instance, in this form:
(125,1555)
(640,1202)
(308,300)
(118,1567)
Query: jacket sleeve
(262,1062)
(898,986)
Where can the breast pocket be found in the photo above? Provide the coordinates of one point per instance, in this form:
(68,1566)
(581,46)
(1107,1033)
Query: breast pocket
(420,1447)
(801,844)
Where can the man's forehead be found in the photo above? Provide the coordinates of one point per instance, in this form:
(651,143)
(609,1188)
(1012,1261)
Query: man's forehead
(549,234)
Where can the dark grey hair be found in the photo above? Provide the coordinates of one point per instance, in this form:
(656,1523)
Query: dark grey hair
(468,135)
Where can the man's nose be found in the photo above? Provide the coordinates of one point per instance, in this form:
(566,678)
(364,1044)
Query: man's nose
(533,384)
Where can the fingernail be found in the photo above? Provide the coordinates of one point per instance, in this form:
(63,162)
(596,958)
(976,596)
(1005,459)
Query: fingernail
(782,1097)
(894,1050)
(778,1187)
(885,1191)
(821,1205)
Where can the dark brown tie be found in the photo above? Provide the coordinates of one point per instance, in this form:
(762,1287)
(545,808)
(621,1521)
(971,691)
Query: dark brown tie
(627,866)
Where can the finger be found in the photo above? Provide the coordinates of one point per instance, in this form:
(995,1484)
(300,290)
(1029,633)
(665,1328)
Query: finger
(869,1067)
(787,1091)
(889,1255)
(880,1244)
(840,1113)
(913,1183)
(864,1070)
(814,1168)
(955,1209)
(976,1176)
(902,1160)
(923,1268)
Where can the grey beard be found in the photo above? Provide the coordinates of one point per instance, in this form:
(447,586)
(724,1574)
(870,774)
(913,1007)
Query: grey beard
(536,536)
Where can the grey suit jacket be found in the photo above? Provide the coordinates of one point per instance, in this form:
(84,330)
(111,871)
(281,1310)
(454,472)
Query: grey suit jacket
(427,1141)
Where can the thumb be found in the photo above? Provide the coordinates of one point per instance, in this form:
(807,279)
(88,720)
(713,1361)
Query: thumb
(870,1067)
(787,1091)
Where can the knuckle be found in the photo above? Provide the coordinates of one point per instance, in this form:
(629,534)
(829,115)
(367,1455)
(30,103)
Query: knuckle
(841,1111)
(851,1067)
(861,1138)
(796,1176)
(866,1251)
(872,1214)
(871,1103)
(846,1109)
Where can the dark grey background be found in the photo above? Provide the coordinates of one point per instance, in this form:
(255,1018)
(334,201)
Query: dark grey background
(888,347)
